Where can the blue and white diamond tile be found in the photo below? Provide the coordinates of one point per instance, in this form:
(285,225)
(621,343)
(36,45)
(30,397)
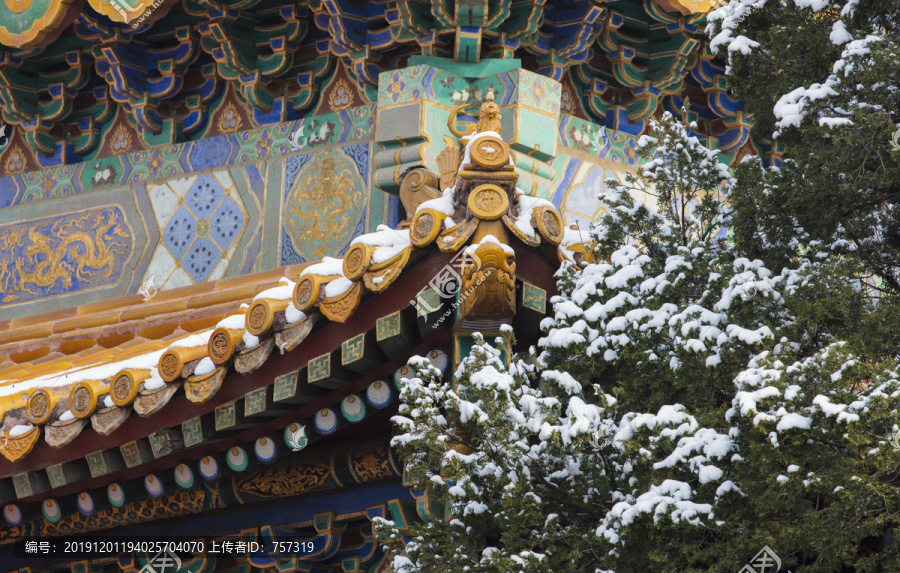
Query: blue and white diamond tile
(226,223)
(179,232)
(201,258)
(204,196)
(201,222)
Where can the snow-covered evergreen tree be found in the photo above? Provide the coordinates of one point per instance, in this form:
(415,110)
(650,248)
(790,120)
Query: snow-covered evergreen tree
(822,80)
(685,408)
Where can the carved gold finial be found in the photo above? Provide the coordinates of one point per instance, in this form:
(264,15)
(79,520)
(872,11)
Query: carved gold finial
(488,118)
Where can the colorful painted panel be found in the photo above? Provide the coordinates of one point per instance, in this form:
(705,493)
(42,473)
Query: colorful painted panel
(25,182)
(57,255)
(582,204)
(325,196)
(201,219)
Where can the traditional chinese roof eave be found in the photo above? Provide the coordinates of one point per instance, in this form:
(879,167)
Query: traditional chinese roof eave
(328,338)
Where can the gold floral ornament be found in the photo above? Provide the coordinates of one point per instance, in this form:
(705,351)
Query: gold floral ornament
(229,120)
(122,140)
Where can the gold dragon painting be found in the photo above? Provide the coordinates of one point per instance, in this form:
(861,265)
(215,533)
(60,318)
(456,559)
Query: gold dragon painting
(74,252)
(324,205)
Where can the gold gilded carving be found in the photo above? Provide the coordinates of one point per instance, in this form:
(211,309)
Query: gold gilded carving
(370,462)
(59,263)
(275,481)
(418,186)
(383,274)
(323,203)
(356,263)
(489,286)
(488,202)
(39,406)
(151,402)
(249,360)
(17,447)
(294,334)
(489,152)
(107,420)
(199,389)
(82,400)
(448,163)
(229,119)
(179,503)
(340,96)
(488,118)
(549,223)
(340,308)
(58,434)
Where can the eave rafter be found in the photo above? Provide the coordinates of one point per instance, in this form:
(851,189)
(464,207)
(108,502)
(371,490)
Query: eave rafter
(167,71)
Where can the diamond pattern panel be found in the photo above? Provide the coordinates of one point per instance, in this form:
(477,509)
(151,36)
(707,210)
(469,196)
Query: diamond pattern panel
(201,259)
(226,223)
(179,232)
(204,196)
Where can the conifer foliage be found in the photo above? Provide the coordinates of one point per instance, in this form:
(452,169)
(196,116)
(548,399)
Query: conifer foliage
(822,80)
(685,407)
